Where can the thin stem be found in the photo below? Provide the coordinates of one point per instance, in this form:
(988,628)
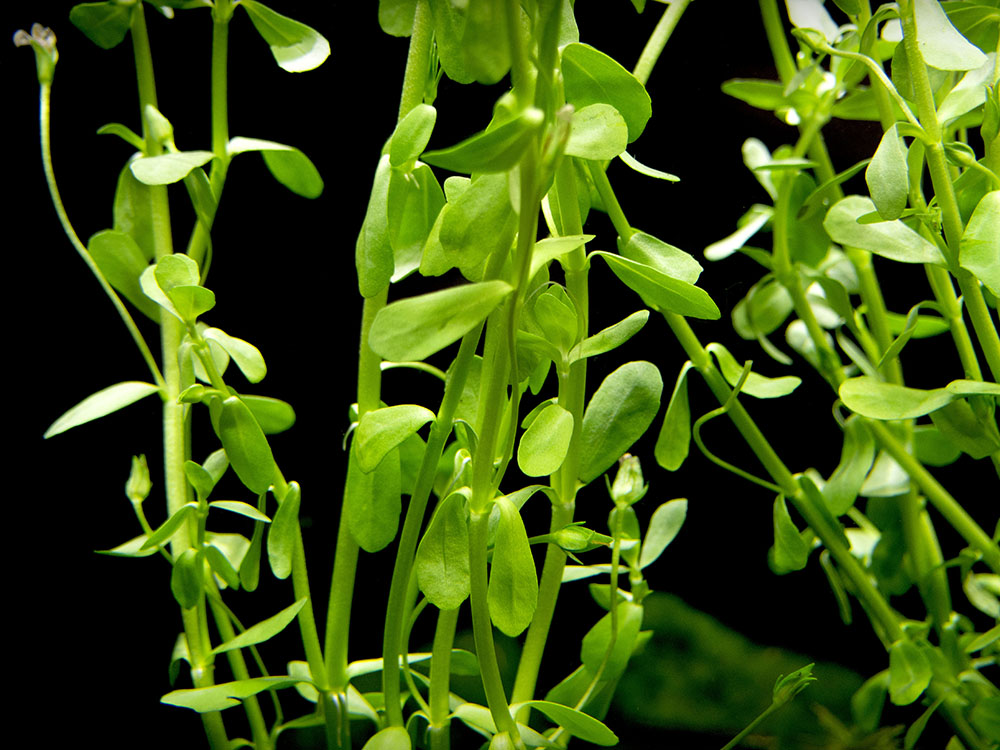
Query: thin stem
(45,119)
(438,699)
(658,39)
(777,40)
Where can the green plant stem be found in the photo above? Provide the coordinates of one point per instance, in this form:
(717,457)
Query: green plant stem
(258,727)
(775,30)
(658,39)
(735,741)
(417,59)
(410,535)
(440,678)
(483,628)
(45,119)
(944,191)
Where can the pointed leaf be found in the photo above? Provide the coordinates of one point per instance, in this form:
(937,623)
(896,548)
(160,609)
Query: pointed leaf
(493,150)
(412,134)
(663,527)
(226,694)
(417,327)
(544,444)
(272,414)
(755,384)
(611,337)
(283,533)
(246,446)
(575,722)
(856,459)
(887,175)
(980,247)
(442,561)
(890,239)
(381,430)
(513,586)
(99,404)
(665,258)
(169,527)
(674,441)
(790,551)
(105,24)
(940,43)
(263,630)
(661,292)
(633,163)
(222,567)
(295,46)
(240,508)
(618,414)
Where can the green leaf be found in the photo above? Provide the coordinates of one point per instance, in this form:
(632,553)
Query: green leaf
(544,444)
(755,385)
(373,251)
(674,441)
(665,258)
(856,458)
(980,247)
(221,566)
(985,717)
(552,248)
(189,302)
(940,43)
(618,414)
(932,447)
(283,533)
(264,630)
(595,644)
(413,204)
(295,46)
(240,508)
(494,150)
(372,500)
(598,132)
(381,430)
(186,578)
(246,356)
(168,528)
(960,425)
(890,239)
(133,212)
(478,222)
(485,46)
(611,337)
(417,327)
(390,738)
(749,224)
(513,586)
(273,415)
(250,564)
(226,694)
(909,672)
(412,134)
(105,24)
(99,404)
(287,164)
(246,446)
(810,14)
(873,398)
(663,527)
(868,701)
(633,163)
(887,175)
(968,93)
(661,292)
(442,561)
(122,262)
(575,722)
(790,551)
(167,169)
(591,77)
(396,16)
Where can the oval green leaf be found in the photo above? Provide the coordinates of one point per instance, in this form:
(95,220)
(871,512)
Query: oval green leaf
(417,327)
(980,247)
(295,46)
(577,723)
(661,292)
(873,398)
(246,446)
(544,444)
(663,527)
(591,77)
(598,132)
(890,239)
(512,594)
(167,169)
(442,561)
(283,532)
(381,430)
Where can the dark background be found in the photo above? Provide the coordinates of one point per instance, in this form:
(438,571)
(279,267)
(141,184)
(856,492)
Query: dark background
(89,637)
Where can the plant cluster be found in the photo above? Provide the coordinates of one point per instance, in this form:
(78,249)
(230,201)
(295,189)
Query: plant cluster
(501,219)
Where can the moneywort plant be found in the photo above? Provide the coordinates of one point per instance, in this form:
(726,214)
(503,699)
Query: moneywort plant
(494,220)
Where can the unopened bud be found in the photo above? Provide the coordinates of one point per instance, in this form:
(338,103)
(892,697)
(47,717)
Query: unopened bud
(628,486)
(139,484)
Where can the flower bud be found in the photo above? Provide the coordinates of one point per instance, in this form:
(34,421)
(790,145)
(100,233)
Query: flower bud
(628,486)
(139,484)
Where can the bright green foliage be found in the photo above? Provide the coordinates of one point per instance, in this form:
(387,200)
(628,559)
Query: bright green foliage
(887,176)
(674,440)
(871,398)
(263,630)
(577,723)
(598,132)
(417,327)
(283,532)
(890,239)
(754,384)
(246,446)
(909,671)
(185,579)
(372,500)
(591,77)
(224,695)
(122,262)
(382,430)
(790,551)
(295,46)
(442,561)
(856,458)
(496,149)
(287,164)
(980,251)
(662,292)
(544,444)
(105,24)
(618,414)
(100,404)
(168,168)
(941,45)
(390,738)
(513,584)
(664,525)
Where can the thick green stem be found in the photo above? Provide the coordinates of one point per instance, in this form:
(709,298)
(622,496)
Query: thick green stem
(440,678)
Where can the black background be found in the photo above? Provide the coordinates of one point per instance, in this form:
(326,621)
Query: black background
(89,637)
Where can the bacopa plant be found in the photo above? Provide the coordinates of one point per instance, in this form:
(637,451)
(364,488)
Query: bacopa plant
(504,223)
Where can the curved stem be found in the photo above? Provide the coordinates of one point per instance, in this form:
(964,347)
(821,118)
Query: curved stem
(658,39)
